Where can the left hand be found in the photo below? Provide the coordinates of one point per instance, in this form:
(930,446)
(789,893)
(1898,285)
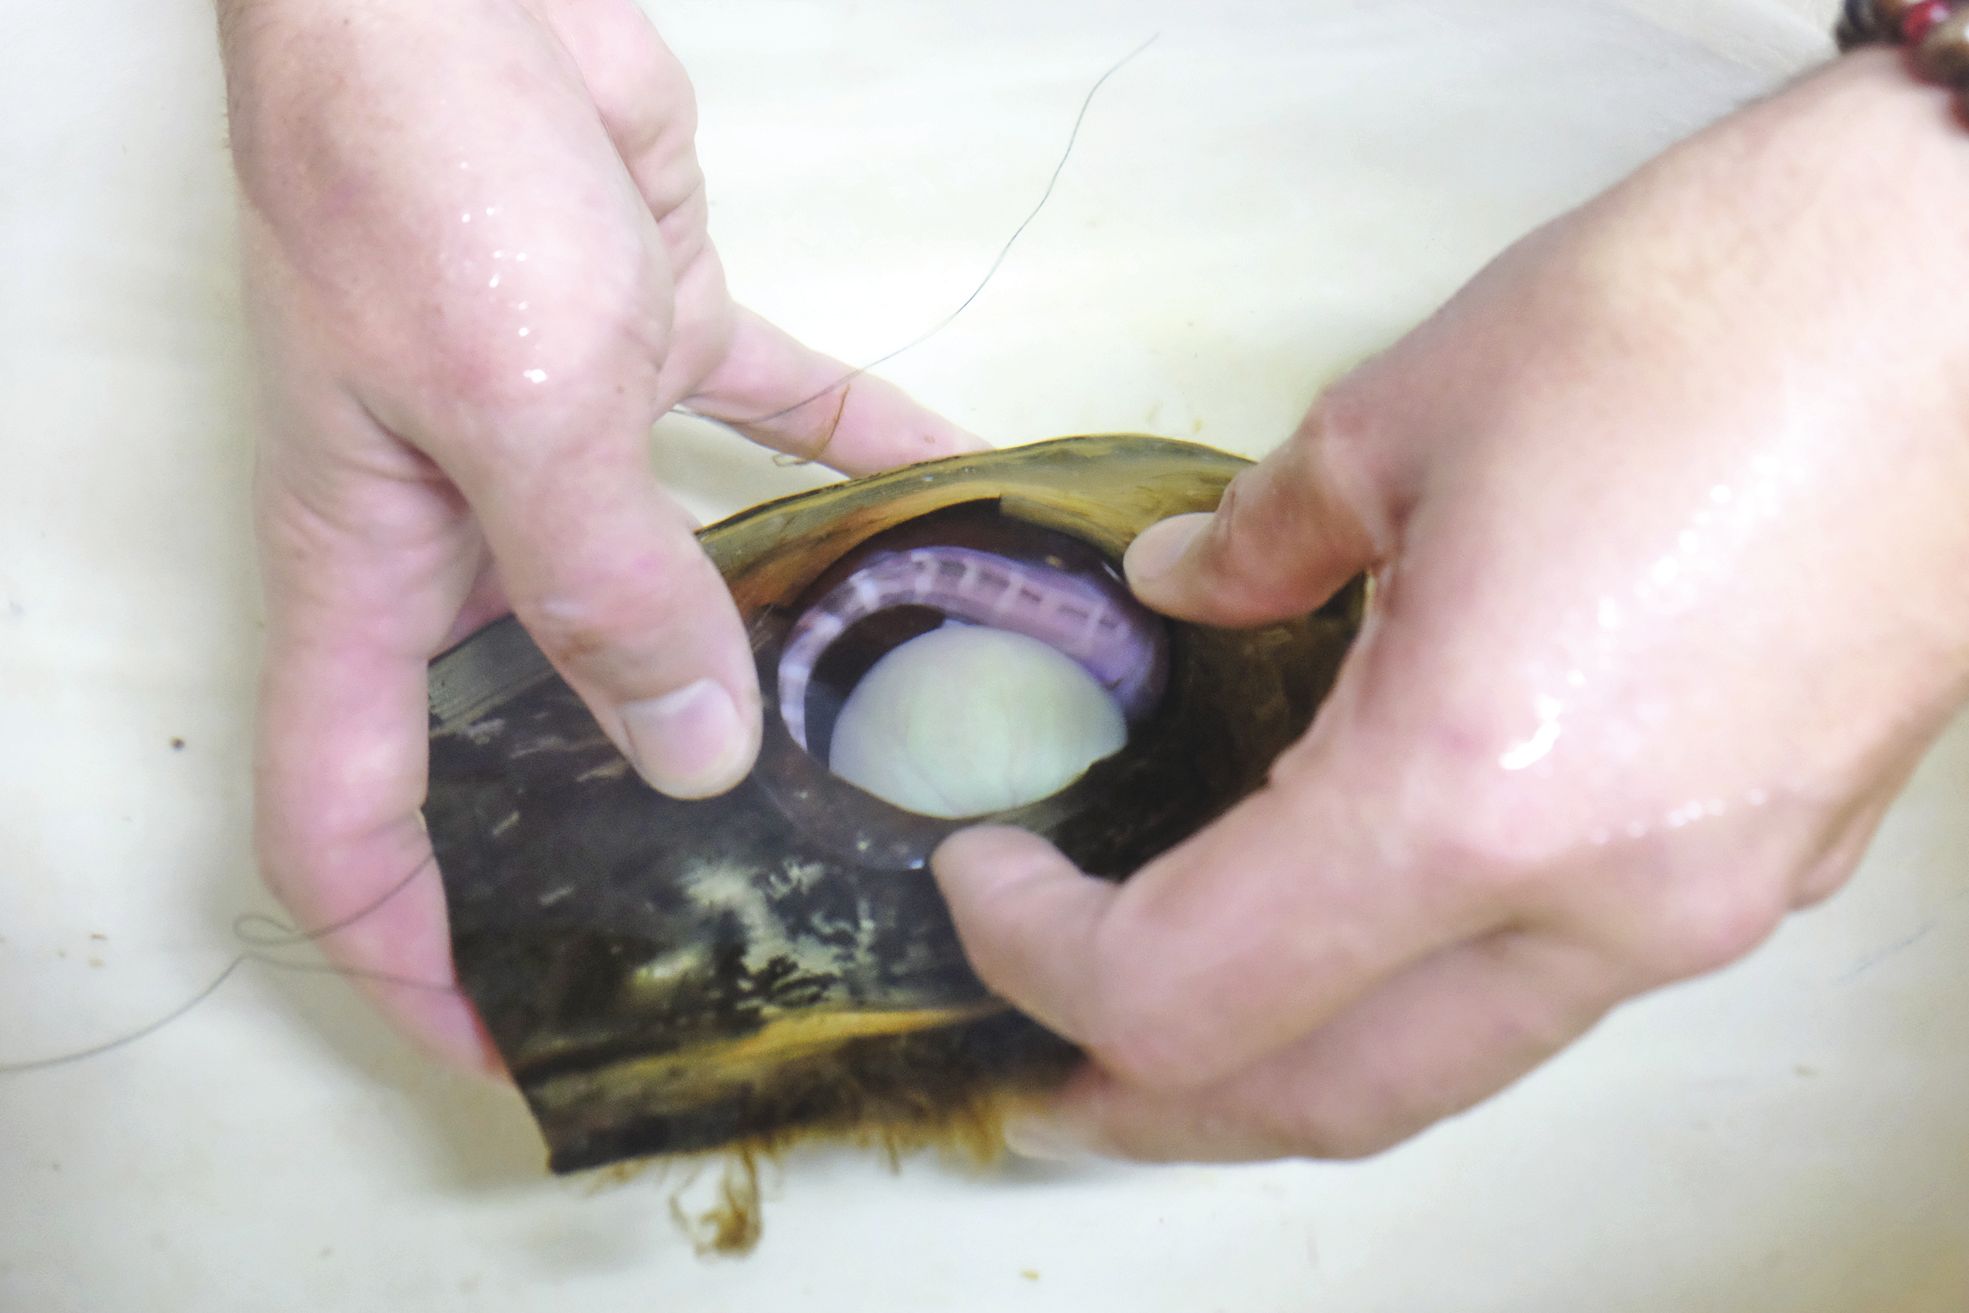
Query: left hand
(478,254)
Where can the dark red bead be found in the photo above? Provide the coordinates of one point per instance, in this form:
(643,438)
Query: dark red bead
(1944,55)
(1922,19)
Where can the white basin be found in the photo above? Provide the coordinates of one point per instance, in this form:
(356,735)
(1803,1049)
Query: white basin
(1268,192)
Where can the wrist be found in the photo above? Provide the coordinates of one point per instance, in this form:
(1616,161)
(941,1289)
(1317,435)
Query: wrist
(1824,220)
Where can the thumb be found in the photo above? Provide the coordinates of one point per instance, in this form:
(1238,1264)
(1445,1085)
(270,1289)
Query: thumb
(1289,532)
(605,572)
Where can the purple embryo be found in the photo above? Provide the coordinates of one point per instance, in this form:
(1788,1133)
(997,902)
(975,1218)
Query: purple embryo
(1086,615)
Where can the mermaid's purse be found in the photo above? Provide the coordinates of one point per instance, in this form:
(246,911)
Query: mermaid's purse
(664,977)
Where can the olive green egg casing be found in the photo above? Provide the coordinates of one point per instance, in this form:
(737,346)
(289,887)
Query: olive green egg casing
(665,977)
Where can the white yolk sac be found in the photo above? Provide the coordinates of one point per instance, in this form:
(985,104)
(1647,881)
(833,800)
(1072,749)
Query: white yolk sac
(966,720)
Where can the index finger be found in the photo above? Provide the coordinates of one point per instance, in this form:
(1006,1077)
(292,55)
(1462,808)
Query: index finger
(1258,929)
(787,396)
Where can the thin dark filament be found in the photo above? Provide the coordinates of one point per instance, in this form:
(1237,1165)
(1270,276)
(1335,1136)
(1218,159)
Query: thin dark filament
(142,1032)
(349,973)
(252,929)
(990,273)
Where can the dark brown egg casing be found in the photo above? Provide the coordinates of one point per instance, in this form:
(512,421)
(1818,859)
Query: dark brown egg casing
(666,977)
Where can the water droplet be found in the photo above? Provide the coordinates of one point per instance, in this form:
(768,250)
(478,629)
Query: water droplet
(1532,750)
(535,376)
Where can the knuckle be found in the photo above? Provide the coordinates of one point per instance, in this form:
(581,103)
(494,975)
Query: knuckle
(1146,1053)
(578,363)
(1144,1025)
(1705,925)
(1369,1107)
(1821,880)
(1129,1038)
(1342,417)
(640,86)
(490,343)
(1238,542)
(1486,839)
(578,622)
(1258,503)
(1656,922)
(992,961)
(1168,1048)
(570,629)
(1342,433)
(1459,806)
(672,114)
(1825,862)
(298,840)
(588,580)
(1337,1132)
(994,954)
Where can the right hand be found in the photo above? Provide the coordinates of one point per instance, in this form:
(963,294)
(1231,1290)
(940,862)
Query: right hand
(477,256)
(1666,515)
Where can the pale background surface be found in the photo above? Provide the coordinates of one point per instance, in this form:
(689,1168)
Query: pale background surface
(1271,191)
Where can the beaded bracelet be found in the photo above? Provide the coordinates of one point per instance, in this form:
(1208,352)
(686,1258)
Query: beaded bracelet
(1935,31)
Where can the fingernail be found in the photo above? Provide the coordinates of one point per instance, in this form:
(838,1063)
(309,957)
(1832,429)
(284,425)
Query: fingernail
(688,744)
(1158,548)
(1045,1139)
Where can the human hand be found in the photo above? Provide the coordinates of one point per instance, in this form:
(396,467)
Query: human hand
(477,256)
(1666,511)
